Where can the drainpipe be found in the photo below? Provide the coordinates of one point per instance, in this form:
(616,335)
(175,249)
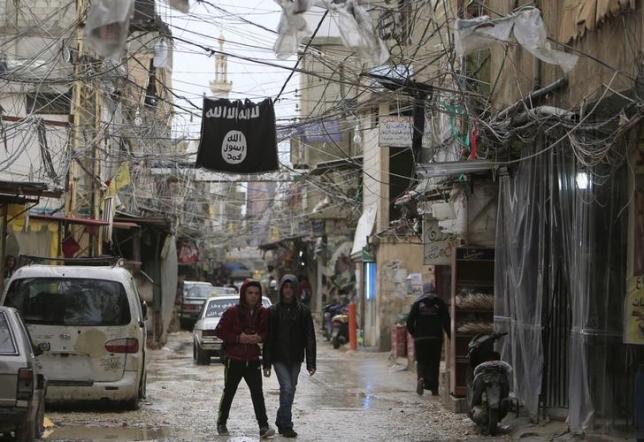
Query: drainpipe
(3,244)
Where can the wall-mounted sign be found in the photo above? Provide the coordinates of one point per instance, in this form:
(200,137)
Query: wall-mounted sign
(438,246)
(397,131)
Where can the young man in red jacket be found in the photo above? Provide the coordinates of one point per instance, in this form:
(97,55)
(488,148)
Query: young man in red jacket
(242,327)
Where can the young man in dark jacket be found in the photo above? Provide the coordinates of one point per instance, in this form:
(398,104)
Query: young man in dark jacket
(427,320)
(242,327)
(290,335)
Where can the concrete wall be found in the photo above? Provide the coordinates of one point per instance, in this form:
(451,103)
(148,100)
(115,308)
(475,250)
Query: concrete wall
(396,259)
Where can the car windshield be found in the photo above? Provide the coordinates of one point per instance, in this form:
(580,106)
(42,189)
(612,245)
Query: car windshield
(6,342)
(70,301)
(217,307)
(200,291)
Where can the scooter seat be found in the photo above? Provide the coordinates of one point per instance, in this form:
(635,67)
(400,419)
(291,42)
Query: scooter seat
(496,366)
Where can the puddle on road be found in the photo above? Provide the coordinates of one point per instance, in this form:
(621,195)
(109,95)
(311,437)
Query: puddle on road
(103,434)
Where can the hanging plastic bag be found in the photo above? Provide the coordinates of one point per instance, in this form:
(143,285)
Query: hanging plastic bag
(357,31)
(529,31)
(108,25)
(160,54)
(180,5)
(292,27)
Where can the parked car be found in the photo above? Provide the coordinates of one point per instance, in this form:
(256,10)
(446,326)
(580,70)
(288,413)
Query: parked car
(91,319)
(194,295)
(205,343)
(22,385)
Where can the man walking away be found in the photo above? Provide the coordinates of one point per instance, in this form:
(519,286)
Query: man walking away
(242,327)
(290,336)
(427,320)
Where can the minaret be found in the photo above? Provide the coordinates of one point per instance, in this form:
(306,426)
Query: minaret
(221,87)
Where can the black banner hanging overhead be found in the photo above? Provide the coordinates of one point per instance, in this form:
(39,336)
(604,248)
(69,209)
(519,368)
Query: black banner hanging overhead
(238,136)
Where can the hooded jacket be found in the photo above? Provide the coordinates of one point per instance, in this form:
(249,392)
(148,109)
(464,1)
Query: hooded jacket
(428,317)
(291,333)
(240,319)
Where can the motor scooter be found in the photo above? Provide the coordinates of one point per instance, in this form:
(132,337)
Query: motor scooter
(488,383)
(329,310)
(340,334)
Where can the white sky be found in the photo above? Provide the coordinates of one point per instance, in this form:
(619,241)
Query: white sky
(193,69)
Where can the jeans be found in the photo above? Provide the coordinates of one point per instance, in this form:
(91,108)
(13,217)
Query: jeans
(287,377)
(251,372)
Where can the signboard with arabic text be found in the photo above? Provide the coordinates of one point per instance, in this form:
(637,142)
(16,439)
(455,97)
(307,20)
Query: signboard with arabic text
(397,131)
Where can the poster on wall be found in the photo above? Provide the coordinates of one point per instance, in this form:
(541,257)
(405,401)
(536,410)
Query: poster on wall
(238,136)
(634,312)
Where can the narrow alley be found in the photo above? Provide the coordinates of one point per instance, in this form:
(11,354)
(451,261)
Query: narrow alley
(353,397)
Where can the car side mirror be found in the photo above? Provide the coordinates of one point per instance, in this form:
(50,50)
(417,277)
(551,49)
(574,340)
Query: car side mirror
(144,308)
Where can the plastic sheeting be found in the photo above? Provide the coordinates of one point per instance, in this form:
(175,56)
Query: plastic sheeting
(353,21)
(108,24)
(519,278)
(529,31)
(292,27)
(555,240)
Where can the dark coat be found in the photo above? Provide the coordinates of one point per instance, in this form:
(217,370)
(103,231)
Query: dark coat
(239,318)
(291,333)
(428,318)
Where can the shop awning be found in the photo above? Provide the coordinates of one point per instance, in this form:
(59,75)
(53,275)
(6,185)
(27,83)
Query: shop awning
(364,229)
(71,220)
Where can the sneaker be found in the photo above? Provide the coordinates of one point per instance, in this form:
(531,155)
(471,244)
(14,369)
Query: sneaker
(289,433)
(420,387)
(265,432)
(222,430)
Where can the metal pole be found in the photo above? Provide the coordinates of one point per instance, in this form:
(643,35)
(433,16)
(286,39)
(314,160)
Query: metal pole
(353,336)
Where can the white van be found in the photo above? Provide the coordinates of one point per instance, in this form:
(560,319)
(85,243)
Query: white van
(90,322)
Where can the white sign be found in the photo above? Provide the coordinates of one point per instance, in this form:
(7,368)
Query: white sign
(397,131)
(233,149)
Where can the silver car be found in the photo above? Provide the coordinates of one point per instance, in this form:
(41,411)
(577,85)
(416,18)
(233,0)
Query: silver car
(22,385)
(205,343)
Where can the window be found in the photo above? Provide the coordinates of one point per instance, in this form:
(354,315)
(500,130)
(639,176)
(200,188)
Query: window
(49,103)
(7,346)
(370,280)
(70,301)
(202,292)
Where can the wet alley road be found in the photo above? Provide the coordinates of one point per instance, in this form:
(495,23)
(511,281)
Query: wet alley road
(352,397)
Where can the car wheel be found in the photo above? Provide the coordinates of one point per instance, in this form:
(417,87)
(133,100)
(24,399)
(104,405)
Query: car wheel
(132,404)
(39,425)
(203,358)
(194,351)
(26,431)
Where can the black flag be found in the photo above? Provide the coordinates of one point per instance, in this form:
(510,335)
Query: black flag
(238,136)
